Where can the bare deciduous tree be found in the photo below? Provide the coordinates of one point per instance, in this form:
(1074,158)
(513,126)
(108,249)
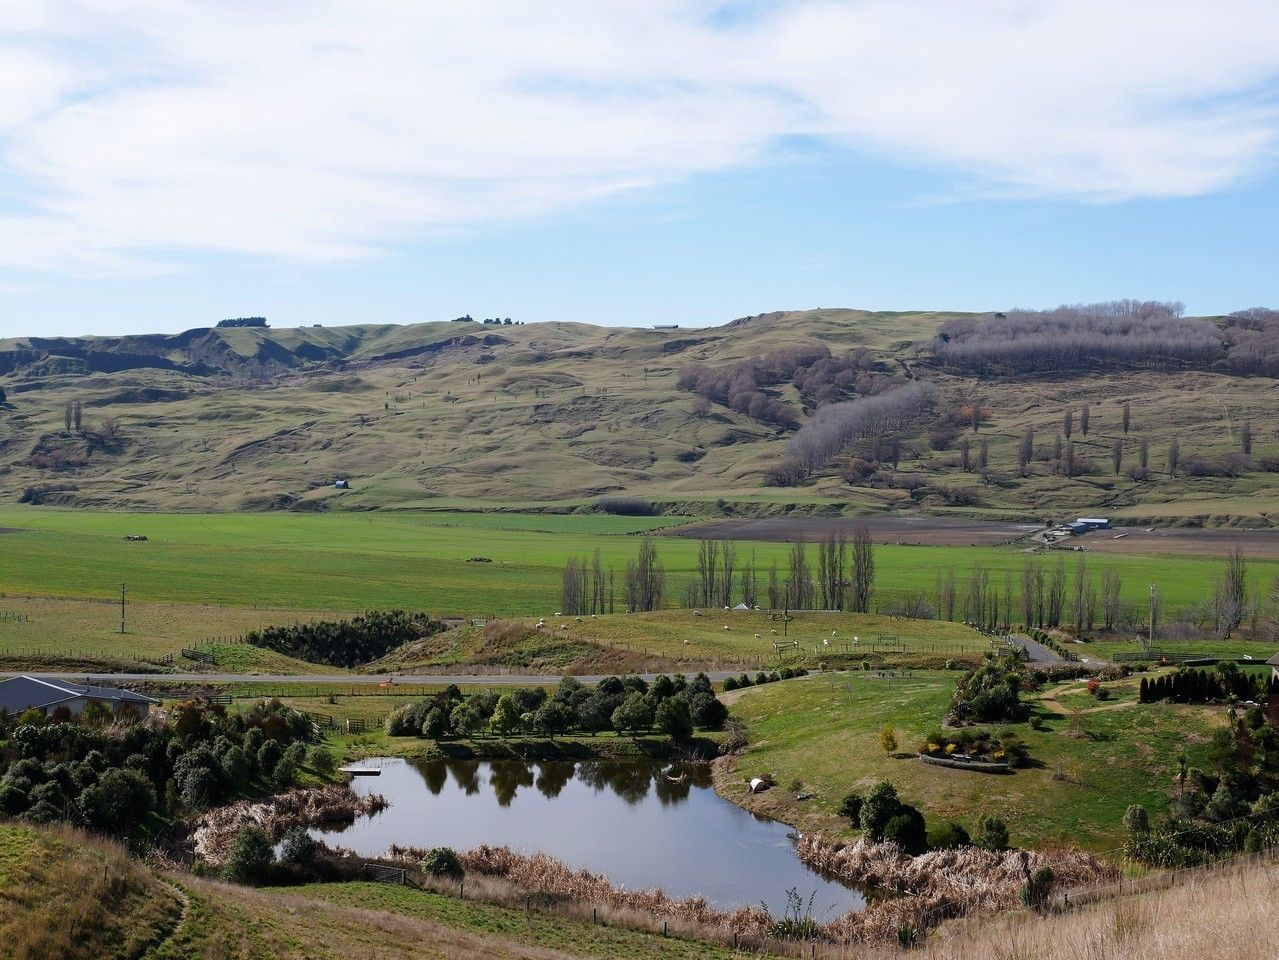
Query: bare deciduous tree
(1057,594)
(863,584)
(1127,415)
(1123,333)
(833,427)
(1174,456)
(1025,450)
(1110,603)
(1085,415)
(1117,455)
(645,579)
(799,578)
(728,560)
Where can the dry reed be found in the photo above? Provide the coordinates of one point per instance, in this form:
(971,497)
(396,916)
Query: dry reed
(310,807)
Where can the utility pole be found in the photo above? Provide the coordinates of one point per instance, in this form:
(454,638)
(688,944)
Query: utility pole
(1154,602)
(123,590)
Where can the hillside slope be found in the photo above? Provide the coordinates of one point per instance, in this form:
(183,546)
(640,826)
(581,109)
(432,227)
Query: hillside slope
(424,415)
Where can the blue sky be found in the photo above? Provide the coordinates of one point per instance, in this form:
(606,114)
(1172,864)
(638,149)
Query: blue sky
(688,162)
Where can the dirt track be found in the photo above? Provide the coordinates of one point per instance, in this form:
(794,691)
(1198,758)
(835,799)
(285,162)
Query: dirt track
(915,531)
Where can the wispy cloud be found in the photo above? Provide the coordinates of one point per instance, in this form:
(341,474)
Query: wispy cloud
(134,129)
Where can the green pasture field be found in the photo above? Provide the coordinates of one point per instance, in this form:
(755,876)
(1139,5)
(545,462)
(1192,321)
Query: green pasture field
(822,731)
(41,630)
(346,562)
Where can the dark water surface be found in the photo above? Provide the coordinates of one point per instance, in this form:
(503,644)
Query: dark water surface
(622,819)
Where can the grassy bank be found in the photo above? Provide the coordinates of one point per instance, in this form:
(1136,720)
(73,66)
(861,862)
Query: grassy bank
(822,734)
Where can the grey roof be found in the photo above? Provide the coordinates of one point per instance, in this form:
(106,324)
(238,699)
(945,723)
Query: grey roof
(1273,661)
(23,693)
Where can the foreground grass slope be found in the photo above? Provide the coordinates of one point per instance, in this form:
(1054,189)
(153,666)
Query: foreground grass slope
(1087,767)
(66,897)
(1222,913)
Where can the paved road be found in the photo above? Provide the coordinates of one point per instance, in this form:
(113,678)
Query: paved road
(403,679)
(1037,652)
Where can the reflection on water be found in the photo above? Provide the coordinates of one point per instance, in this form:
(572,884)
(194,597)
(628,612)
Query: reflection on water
(640,823)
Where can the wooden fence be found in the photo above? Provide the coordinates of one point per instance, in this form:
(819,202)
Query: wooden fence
(1162,879)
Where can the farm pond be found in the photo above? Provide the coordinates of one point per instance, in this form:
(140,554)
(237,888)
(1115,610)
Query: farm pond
(628,820)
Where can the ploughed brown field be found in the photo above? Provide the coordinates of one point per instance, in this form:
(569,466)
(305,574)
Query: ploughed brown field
(1182,540)
(912,531)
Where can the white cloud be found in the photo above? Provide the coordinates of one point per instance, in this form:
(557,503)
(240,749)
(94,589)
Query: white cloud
(130,129)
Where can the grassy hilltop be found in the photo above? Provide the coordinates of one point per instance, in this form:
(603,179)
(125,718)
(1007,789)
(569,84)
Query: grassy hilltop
(553,415)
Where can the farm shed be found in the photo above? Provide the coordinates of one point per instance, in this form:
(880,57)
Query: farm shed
(341,485)
(33,693)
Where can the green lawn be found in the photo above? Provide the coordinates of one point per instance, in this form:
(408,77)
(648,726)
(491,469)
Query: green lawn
(420,560)
(823,731)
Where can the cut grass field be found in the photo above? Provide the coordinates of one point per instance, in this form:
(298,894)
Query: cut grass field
(823,731)
(346,562)
(42,630)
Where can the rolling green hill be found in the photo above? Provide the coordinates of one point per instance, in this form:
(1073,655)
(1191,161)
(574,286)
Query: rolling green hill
(556,414)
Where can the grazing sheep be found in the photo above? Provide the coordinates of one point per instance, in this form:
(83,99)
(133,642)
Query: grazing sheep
(757,636)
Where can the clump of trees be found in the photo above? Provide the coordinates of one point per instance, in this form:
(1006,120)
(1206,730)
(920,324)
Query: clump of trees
(624,506)
(1231,805)
(243,322)
(1121,333)
(831,429)
(586,588)
(883,816)
(760,678)
(1204,686)
(1252,338)
(989,694)
(347,643)
(819,377)
(675,706)
(111,776)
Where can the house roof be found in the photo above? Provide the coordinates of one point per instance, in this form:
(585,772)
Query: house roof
(23,693)
(1273,661)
